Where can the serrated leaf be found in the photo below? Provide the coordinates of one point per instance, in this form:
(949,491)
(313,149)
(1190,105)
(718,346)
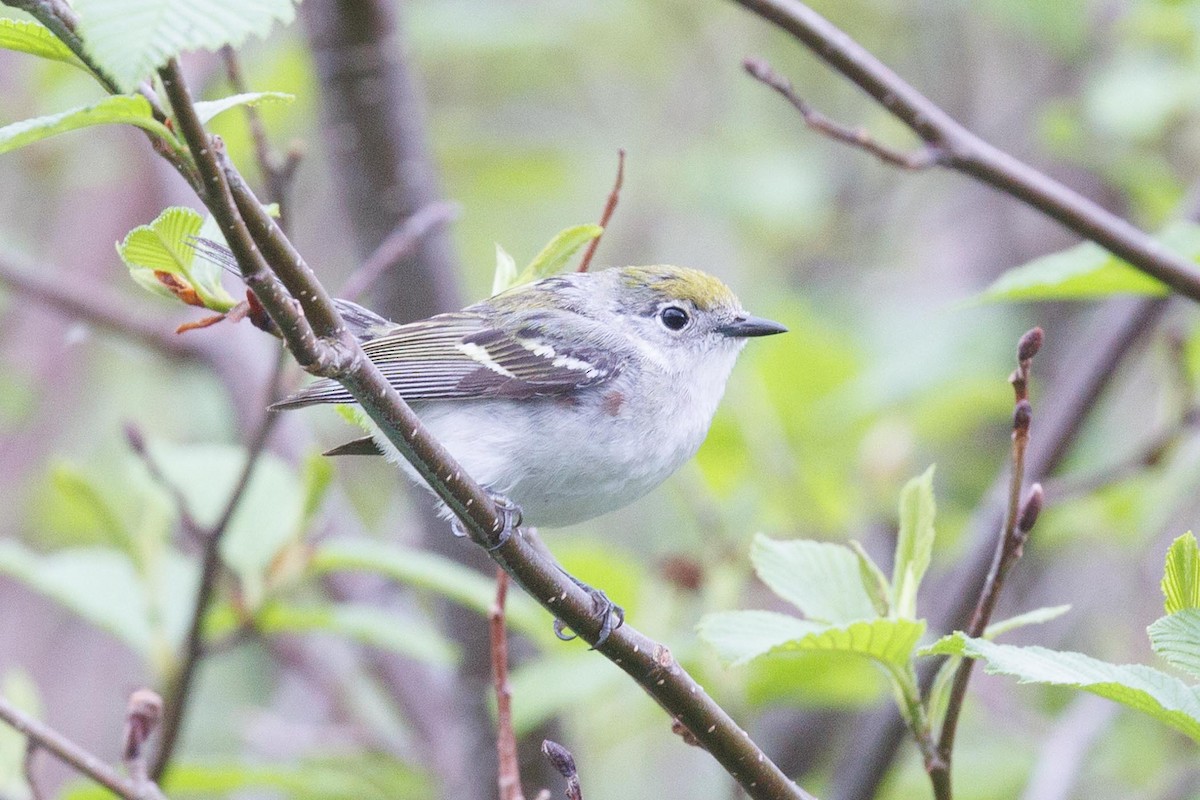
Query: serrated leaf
(1181,575)
(555,255)
(741,636)
(27,36)
(371,625)
(505,275)
(432,572)
(822,579)
(914,544)
(131,38)
(208,110)
(114,110)
(1142,688)
(1035,617)
(165,247)
(1177,639)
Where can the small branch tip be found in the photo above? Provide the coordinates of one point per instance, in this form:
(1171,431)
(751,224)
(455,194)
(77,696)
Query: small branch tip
(1030,344)
(1031,509)
(1022,416)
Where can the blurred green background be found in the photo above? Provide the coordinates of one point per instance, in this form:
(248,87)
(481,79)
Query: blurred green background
(892,364)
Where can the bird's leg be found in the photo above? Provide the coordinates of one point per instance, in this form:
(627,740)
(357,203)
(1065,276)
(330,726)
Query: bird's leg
(609,615)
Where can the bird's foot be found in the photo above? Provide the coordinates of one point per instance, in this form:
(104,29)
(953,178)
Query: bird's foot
(507,512)
(608,614)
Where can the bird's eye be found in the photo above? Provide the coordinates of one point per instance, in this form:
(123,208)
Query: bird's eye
(674,317)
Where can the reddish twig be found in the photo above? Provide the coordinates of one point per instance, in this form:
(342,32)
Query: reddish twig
(506,741)
(1018,522)
(610,206)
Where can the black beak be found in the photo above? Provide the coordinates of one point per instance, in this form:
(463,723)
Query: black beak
(751,326)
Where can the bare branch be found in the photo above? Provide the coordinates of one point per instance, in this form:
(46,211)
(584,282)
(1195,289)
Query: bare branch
(924,158)
(95,306)
(71,753)
(959,149)
(338,355)
(210,570)
(400,244)
(1019,520)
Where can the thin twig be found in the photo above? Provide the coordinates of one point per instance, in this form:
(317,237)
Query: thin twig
(337,354)
(509,772)
(95,306)
(178,693)
(916,160)
(399,245)
(71,753)
(564,763)
(959,149)
(277,170)
(1018,522)
(27,766)
(610,206)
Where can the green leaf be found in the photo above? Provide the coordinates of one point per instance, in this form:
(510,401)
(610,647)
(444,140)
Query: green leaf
(165,246)
(874,581)
(914,544)
(336,777)
(114,110)
(547,687)
(267,517)
(80,504)
(1141,688)
(318,477)
(27,36)
(131,38)
(1035,617)
(555,255)
(822,579)
(385,629)
(741,636)
(210,109)
(505,276)
(1177,639)
(429,571)
(1089,271)
(1181,576)
(99,584)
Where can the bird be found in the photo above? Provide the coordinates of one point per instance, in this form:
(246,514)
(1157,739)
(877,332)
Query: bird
(571,396)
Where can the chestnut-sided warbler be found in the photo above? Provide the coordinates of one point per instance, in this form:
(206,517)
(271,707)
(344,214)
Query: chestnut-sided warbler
(572,396)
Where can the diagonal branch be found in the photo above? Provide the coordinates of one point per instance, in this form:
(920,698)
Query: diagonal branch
(959,149)
(335,353)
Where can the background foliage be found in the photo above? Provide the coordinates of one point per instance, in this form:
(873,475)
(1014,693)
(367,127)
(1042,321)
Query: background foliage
(894,362)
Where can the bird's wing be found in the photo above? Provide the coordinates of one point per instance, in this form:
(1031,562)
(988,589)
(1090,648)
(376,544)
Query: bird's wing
(462,355)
